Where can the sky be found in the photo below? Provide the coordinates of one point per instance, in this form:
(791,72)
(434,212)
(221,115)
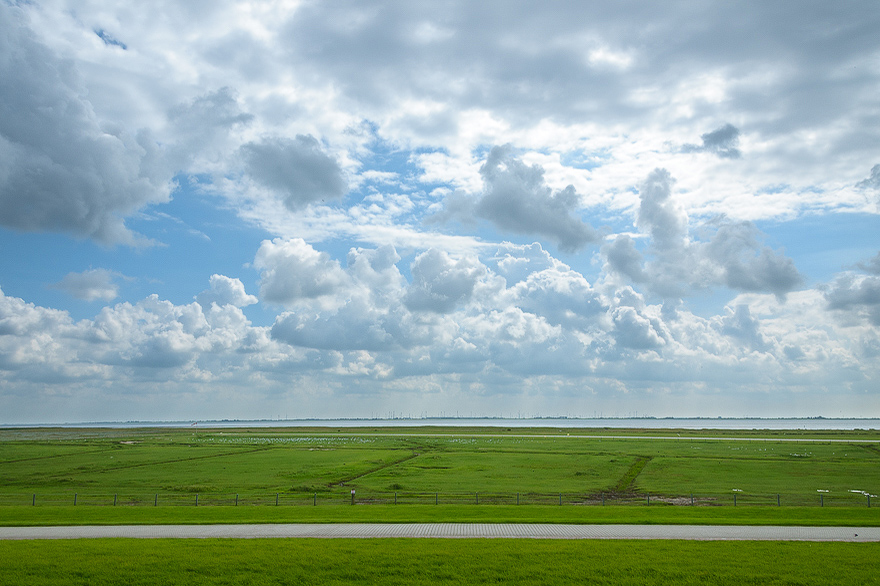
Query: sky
(285,209)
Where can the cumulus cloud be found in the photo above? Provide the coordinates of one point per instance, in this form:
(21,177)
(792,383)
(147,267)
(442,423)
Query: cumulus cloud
(516,198)
(858,295)
(298,170)
(516,262)
(225,291)
(561,296)
(624,259)
(376,273)
(367,311)
(18,318)
(90,285)
(551,323)
(292,271)
(635,331)
(740,324)
(440,283)
(61,168)
(458,205)
(203,127)
(354,326)
(675,263)
(745,265)
(660,215)
(722,142)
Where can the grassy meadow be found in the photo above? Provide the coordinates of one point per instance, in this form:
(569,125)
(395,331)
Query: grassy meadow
(44,472)
(156,475)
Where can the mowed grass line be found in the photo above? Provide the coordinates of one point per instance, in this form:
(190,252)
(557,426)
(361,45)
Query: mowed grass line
(434,561)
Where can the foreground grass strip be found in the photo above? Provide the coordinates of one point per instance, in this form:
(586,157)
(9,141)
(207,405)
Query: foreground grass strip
(430,561)
(656,515)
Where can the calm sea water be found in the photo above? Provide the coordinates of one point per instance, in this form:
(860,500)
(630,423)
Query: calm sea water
(615,423)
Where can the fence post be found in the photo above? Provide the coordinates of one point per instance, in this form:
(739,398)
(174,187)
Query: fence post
(869,501)
(236,500)
(778,504)
(315,502)
(156,501)
(114,499)
(692,499)
(560,499)
(34,501)
(603,499)
(649,499)
(517,498)
(477,497)
(74,499)
(821,500)
(395,498)
(435,498)
(276,499)
(197,499)
(734,499)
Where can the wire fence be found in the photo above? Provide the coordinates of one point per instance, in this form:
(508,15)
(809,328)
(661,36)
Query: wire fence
(170,499)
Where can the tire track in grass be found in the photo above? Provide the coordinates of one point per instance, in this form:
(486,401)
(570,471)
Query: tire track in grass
(162,462)
(51,456)
(342,482)
(627,481)
(871,448)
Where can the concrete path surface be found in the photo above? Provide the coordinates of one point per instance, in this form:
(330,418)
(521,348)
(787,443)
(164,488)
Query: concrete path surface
(451,530)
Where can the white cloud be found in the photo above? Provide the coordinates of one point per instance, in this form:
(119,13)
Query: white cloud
(353,326)
(441,283)
(856,295)
(516,263)
(549,324)
(204,128)
(722,142)
(516,198)
(636,331)
(339,127)
(740,324)
(90,285)
(675,263)
(292,271)
(225,291)
(298,170)
(561,296)
(62,168)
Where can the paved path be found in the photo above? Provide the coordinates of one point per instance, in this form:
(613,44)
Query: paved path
(451,530)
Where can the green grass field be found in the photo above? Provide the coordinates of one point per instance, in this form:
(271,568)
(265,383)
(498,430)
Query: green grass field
(435,561)
(44,472)
(312,471)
